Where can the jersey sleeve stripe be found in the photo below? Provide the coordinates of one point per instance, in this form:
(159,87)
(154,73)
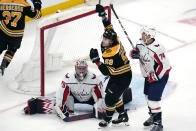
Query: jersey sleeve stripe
(65,95)
(160,65)
(113,71)
(97,92)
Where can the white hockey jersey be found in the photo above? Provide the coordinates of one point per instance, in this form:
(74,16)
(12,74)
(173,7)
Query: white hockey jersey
(81,90)
(153,59)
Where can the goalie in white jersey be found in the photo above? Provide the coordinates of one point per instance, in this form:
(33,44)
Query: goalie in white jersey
(78,87)
(155,69)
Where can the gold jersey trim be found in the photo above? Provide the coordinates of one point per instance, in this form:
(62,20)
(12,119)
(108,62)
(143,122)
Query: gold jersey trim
(110,26)
(9,32)
(110,108)
(120,70)
(120,104)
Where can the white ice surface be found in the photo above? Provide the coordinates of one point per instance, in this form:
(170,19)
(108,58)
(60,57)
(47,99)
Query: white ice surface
(179,39)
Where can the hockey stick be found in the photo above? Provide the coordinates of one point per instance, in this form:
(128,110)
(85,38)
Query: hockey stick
(74,117)
(79,117)
(111,6)
(99,1)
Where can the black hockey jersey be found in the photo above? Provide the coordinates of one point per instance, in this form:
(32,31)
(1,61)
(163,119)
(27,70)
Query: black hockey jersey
(12,16)
(116,62)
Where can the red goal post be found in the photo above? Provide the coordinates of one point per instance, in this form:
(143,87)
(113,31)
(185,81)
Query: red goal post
(42,40)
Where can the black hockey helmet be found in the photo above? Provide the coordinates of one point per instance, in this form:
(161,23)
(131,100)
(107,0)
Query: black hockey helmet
(111,35)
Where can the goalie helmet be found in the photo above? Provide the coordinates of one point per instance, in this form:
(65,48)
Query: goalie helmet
(81,69)
(110,36)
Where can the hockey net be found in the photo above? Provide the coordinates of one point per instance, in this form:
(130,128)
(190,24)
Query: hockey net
(61,39)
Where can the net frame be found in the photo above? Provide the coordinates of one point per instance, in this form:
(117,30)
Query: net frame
(42,41)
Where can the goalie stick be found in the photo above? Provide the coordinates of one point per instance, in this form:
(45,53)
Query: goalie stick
(74,117)
(79,117)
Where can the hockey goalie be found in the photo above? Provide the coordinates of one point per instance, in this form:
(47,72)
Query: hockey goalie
(81,86)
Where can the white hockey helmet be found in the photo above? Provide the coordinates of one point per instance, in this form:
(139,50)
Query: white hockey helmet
(144,28)
(150,30)
(81,68)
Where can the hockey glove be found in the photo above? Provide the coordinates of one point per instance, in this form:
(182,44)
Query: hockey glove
(31,107)
(100,10)
(152,77)
(135,54)
(94,56)
(37,4)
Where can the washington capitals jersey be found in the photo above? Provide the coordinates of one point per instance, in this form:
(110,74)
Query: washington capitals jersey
(12,16)
(153,59)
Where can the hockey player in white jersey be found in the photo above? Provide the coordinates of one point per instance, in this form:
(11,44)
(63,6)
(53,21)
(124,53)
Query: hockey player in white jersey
(155,69)
(81,86)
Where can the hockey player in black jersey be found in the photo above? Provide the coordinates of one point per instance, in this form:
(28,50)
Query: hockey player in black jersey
(116,65)
(12,24)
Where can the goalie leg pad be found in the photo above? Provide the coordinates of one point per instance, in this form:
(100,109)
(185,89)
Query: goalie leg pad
(39,105)
(70,103)
(31,106)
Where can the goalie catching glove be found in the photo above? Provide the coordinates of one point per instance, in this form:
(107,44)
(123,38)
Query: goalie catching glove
(100,10)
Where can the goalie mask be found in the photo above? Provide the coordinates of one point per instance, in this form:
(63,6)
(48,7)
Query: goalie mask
(81,69)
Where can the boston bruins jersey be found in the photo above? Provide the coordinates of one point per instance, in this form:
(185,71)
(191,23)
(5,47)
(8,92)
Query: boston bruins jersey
(12,16)
(115,60)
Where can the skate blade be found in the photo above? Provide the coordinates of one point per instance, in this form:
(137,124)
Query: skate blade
(121,124)
(102,128)
(148,127)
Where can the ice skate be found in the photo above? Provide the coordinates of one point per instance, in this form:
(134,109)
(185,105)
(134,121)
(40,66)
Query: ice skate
(157,127)
(149,121)
(104,123)
(122,118)
(157,124)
